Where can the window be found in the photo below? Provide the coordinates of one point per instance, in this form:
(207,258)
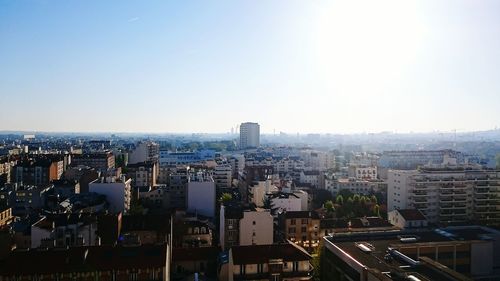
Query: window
(304,221)
(292,221)
(291,230)
(242,269)
(260,268)
(253,222)
(295,266)
(303,229)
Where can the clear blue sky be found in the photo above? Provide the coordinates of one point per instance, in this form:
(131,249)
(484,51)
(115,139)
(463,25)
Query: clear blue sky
(293,66)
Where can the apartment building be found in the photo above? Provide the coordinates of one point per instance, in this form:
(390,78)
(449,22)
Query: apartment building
(447,194)
(117,192)
(362,172)
(223,176)
(145,151)
(143,174)
(267,262)
(201,195)
(249,135)
(244,225)
(301,227)
(41,170)
(101,161)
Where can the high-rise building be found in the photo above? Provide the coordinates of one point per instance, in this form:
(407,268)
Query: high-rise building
(249,135)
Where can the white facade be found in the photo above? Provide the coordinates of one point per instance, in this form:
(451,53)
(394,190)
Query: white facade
(318,160)
(249,135)
(201,197)
(363,172)
(287,203)
(256,228)
(223,176)
(446,195)
(259,190)
(117,192)
(144,151)
(396,219)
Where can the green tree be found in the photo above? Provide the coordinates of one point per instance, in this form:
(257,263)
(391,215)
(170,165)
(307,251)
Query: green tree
(374,199)
(316,261)
(225,198)
(340,199)
(330,209)
(376,210)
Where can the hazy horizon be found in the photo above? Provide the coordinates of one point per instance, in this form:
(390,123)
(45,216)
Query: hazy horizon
(340,67)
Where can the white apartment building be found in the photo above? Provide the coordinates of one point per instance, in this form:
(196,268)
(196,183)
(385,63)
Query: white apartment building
(447,194)
(201,195)
(318,160)
(286,201)
(310,177)
(117,192)
(256,227)
(258,190)
(249,135)
(223,176)
(144,151)
(362,172)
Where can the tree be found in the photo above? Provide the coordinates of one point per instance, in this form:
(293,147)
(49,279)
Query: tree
(374,199)
(316,261)
(225,198)
(339,200)
(376,210)
(330,209)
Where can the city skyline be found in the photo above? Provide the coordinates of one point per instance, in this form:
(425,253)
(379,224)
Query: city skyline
(327,67)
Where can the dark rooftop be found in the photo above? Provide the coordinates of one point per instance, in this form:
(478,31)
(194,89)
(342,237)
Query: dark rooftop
(257,254)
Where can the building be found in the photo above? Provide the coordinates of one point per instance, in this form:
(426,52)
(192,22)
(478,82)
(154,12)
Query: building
(143,173)
(249,135)
(28,198)
(301,227)
(407,218)
(168,158)
(310,177)
(256,227)
(101,161)
(83,174)
(203,261)
(411,160)
(117,192)
(5,216)
(146,151)
(447,194)
(201,193)
(145,262)
(223,176)
(453,253)
(267,262)
(38,171)
(288,202)
(64,231)
(244,225)
(257,191)
(361,172)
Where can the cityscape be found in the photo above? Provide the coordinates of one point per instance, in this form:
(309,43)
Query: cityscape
(280,140)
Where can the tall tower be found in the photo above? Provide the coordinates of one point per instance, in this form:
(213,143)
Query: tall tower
(249,135)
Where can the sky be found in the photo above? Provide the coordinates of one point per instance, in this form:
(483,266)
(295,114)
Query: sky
(206,66)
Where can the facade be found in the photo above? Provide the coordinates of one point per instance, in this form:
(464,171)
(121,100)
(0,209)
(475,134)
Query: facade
(286,201)
(301,227)
(410,160)
(146,151)
(64,231)
(267,262)
(407,218)
(256,227)
(223,176)
(362,172)
(146,262)
(99,161)
(182,158)
(201,194)
(249,135)
(447,195)
(5,216)
(39,171)
(117,192)
(143,173)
